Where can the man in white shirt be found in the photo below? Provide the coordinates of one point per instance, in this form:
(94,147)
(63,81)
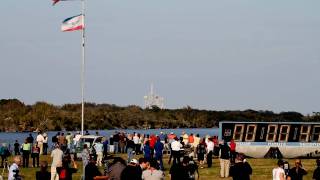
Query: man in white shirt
(136,141)
(40,140)
(210,147)
(14,169)
(176,147)
(56,155)
(278,172)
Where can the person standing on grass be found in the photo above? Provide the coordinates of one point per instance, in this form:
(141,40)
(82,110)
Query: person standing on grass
(278,172)
(210,146)
(130,148)
(232,151)
(201,151)
(158,147)
(196,142)
(176,147)
(43,174)
(5,153)
(85,155)
(147,151)
(16,148)
(26,149)
(56,156)
(297,172)
(241,170)
(99,150)
(224,159)
(40,140)
(35,155)
(45,144)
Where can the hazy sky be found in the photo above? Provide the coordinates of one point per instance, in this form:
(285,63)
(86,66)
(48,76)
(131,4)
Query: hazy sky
(208,54)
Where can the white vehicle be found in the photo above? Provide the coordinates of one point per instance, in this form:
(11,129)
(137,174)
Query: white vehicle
(86,139)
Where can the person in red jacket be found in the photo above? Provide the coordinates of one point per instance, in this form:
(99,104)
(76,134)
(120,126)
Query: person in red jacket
(153,140)
(233,152)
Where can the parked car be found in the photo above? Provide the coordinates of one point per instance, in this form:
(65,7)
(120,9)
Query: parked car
(86,139)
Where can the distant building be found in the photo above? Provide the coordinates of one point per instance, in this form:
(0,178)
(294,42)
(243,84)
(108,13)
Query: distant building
(153,99)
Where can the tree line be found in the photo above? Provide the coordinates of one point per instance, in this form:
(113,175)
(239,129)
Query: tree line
(17,116)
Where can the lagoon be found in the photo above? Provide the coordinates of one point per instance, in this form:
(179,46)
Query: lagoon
(10,137)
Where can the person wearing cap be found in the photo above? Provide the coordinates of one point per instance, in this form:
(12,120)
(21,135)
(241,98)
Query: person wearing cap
(278,172)
(131,172)
(152,173)
(241,170)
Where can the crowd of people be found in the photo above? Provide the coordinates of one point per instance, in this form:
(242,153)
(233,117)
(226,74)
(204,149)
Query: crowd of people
(186,153)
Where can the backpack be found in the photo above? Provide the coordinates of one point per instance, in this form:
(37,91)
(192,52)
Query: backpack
(63,174)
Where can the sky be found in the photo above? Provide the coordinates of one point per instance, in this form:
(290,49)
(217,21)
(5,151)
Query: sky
(208,54)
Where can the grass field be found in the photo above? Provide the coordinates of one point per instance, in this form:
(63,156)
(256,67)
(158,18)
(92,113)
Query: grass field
(262,169)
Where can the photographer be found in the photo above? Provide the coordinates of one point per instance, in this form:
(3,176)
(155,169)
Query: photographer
(297,172)
(14,169)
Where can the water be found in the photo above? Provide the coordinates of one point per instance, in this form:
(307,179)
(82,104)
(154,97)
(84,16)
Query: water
(10,138)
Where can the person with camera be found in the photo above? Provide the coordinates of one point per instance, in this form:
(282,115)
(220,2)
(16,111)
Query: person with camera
(14,169)
(316,172)
(297,172)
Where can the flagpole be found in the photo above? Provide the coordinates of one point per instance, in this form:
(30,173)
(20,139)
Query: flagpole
(82,67)
(82,76)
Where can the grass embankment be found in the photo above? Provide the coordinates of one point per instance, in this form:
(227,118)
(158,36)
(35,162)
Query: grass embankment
(262,169)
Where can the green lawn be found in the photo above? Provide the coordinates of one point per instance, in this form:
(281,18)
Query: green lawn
(262,169)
